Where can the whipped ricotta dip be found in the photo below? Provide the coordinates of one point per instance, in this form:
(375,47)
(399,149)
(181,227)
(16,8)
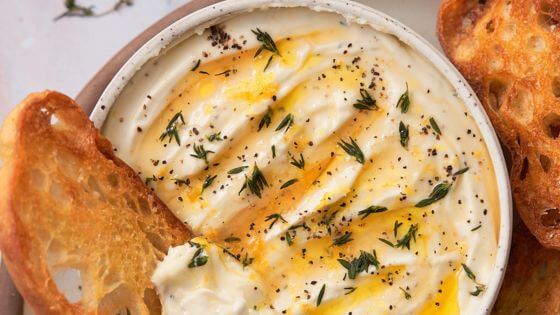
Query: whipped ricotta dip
(328,167)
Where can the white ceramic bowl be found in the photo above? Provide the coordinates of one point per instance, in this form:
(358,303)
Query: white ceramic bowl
(187,26)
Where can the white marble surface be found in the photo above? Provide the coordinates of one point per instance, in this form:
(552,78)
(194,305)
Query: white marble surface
(38,53)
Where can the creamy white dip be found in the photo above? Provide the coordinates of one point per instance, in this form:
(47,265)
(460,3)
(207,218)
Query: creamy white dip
(342,177)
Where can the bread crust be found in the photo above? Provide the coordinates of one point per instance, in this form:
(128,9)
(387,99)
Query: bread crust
(67,202)
(509,53)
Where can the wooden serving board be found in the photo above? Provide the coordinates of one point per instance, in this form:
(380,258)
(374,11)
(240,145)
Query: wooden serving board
(532,281)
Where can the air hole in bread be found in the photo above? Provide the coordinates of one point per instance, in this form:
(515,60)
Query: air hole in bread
(524,169)
(536,43)
(37,179)
(545,162)
(551,125)
(54,120)
(144,206)
(156,241)
(546,17)
(130,203)
(120,301)
(490,27)
(68,160)
(56,191)
(69,283)
(152,302)
(556,86)
(551,217)
(509,31)
(113,180)
(496,93)
(93,184)
(56,252)
(521,106)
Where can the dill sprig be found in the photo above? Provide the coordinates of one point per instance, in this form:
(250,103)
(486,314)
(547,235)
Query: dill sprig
(286,122)
(256,183)
(404,134)
(439,191)
(197,64)
(470,274)
(199,258)
(289,183)
(247,260)
(347,237)
(73,9)
(327,219)
(352,149)
(321,293)
(461,171)
(265,120)
(267,43)
(237,170)
(362,263)
(298,163)
(350,290)
(404,101)
(232,239)
(435,126)
(366,102)
(215,137)
(289,239)
(274,218)
(405,241)
(208,181)
(406,294)
(396,227)
(180,182)
(171,131)
(200,153)
(371,210)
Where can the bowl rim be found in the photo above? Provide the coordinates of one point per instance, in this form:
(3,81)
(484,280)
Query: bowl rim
(187,25)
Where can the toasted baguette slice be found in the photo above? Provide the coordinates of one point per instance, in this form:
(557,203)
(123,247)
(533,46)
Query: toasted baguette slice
(68,205)
(510,53)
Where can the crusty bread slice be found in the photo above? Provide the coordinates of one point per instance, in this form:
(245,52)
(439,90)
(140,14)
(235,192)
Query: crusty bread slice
(69,205)
(509,51)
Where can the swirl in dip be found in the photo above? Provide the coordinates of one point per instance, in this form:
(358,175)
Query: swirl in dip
(330,168)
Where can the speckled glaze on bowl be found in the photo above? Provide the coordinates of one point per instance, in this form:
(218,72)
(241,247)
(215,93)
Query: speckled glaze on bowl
(198,20)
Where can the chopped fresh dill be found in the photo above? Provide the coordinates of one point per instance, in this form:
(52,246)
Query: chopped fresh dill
(208,181)
(265,120)
(366,102)
(255,183)
(345,238)
(286,122)
(371,210)
(171,131)
(439,191)
(404,101)
(298,163)
(201,153)
(352,149)
(274,218)
(289,183)
(237,170)
(435,126)
(215,137)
